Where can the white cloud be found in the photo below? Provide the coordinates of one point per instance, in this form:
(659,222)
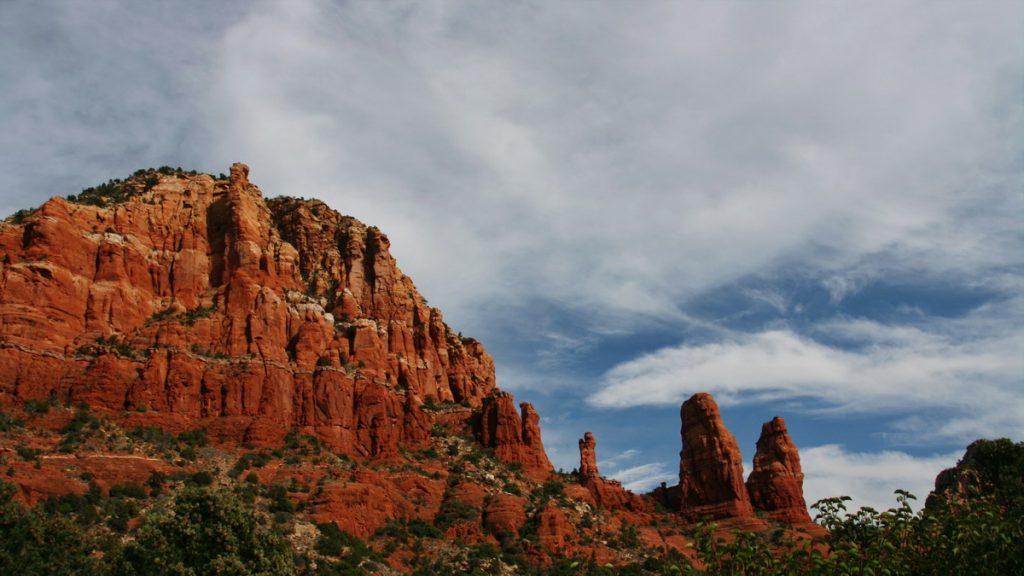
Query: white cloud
(870,478)
(614,161)
(645,477)
(897,370)
(618,160)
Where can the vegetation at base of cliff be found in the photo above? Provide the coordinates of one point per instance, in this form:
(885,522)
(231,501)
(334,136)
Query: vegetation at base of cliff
(202,530)
(203,522)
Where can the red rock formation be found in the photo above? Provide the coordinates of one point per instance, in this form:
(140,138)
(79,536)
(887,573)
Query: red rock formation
(194,296)
(504,514)
(608,494)
(588,456)
(776,484)
(710,465)
(554,532)
(515,440)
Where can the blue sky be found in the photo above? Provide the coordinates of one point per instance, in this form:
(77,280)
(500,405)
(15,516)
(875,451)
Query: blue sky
(808,209)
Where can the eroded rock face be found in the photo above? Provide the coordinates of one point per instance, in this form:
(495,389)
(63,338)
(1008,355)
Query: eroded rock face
(710,464)
(194,296)
(554,532)
(776,483)
(608,494)
(514,438)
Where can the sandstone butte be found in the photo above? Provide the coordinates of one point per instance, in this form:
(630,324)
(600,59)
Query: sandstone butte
(184,301)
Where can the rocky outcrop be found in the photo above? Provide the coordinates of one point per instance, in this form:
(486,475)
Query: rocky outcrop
(608,494)
(554,532)
(588,457)
(504,514)
(776,483)
(179,293)
(710,464)
(514,438)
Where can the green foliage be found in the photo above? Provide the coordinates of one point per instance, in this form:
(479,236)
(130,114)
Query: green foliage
(26,453)
(955,536)
(349,550)
(189,317)
(105,344)
(206,532)
(33,542)
(453,512)
(19,216)
(200,351)
(130,490)
(195,438)
(37,407)
(249,460)
(114,191)
(201,478)
(118,191)
(84,425)
(553,488)
(405,529)
(8,423)
(999,468)
(157,437)
(279,502)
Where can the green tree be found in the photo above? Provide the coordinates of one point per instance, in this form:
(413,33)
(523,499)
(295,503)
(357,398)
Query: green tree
(33,544)
(206,532)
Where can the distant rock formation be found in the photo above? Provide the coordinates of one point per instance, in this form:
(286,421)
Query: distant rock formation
(608,494)
(710,464)
(588,457)
(776,484)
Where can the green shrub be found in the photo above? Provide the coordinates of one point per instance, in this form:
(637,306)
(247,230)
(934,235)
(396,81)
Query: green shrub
(37,407)
(206,531)
(8,423)
(195,437)
(130,490)
(155,436)
(201,478)
(453,511)
(34,542)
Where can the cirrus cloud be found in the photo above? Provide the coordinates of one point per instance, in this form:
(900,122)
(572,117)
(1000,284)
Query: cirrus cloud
(902,369)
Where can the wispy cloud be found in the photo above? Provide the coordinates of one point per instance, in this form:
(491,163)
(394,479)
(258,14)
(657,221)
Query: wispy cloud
(901,370)
(645,477)
(869,478)
(610,160)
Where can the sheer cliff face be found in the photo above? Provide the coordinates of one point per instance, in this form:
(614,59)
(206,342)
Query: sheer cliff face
(194,298)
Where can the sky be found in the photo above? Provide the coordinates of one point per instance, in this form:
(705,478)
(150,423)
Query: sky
(808,209)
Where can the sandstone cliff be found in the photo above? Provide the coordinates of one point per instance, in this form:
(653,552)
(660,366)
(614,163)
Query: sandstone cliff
(195,299)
